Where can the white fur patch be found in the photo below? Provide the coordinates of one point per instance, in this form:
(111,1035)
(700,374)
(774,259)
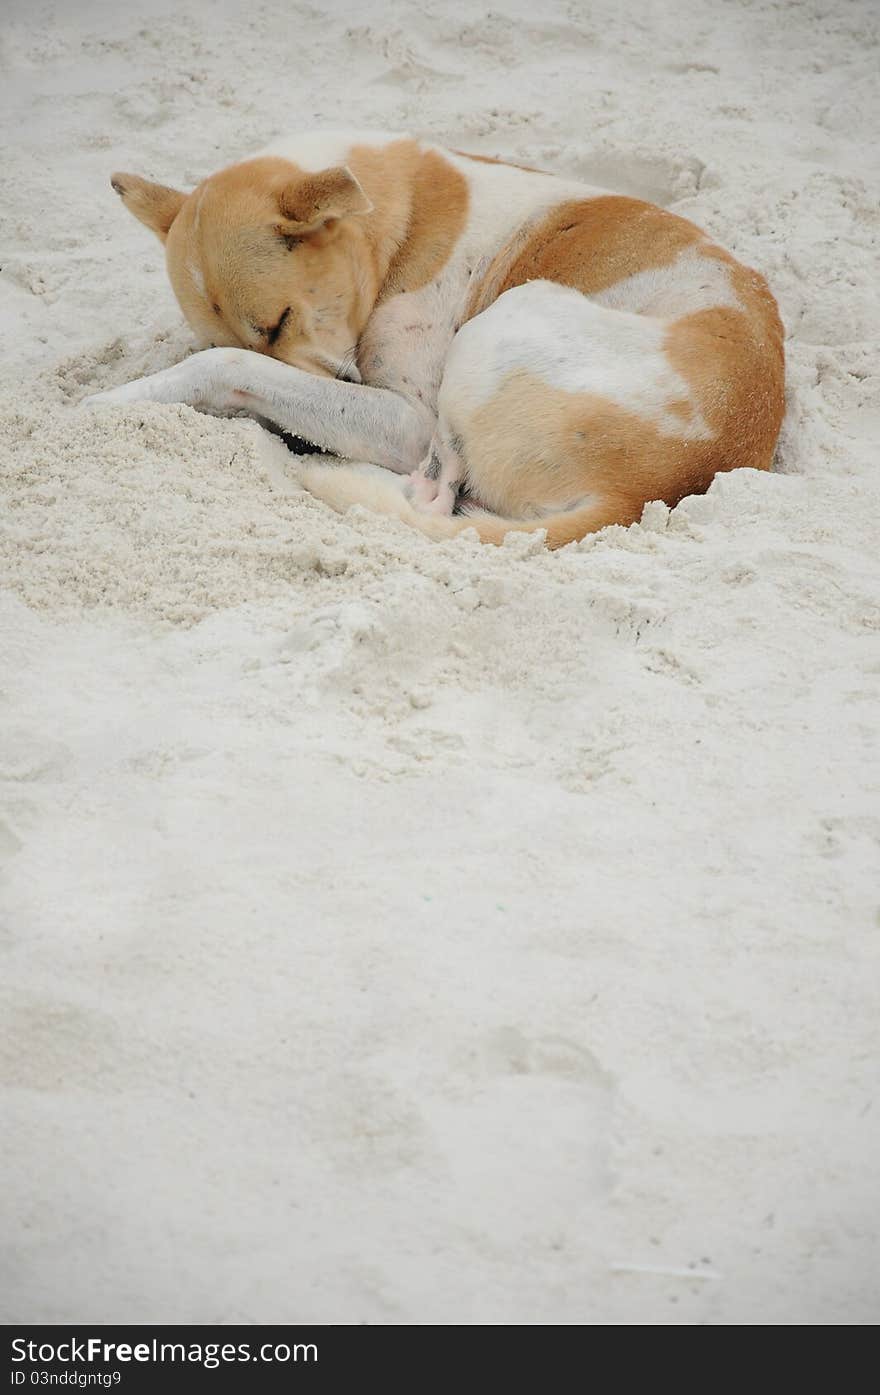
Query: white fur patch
(559,335)
(690,283)
(502,198)
(320,150)
(197,214)
(195,274)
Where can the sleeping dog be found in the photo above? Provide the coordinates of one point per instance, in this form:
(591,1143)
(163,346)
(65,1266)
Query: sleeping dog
(519,351)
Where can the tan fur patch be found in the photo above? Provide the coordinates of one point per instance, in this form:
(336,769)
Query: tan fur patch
(735,365)
(155,205)
(589,244)
(308,201)
(494,160)
(430,199)
(535,449)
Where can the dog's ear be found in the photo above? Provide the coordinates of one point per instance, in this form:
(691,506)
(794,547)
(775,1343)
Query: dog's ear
(314,201)
(153,204)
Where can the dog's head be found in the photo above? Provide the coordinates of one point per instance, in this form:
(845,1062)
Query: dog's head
(267,257)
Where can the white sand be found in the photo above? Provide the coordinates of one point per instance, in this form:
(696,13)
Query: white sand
(397,932)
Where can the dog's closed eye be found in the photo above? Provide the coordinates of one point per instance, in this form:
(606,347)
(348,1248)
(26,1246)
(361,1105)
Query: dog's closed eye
(273,333)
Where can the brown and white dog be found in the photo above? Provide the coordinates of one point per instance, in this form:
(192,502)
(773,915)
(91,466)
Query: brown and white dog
(522,351)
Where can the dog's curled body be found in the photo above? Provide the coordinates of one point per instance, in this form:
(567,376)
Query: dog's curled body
(532,351)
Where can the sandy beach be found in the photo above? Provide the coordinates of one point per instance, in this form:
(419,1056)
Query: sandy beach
(396,932)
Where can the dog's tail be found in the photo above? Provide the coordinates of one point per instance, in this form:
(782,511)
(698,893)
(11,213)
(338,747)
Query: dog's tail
(342,486)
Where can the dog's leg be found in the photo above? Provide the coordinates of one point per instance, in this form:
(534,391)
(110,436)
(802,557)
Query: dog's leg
(434,486)
(361,423)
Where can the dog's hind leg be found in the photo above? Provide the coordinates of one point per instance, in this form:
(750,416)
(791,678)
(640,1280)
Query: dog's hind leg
(434,486)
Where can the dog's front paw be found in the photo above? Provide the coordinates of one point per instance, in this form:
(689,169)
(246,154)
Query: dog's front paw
(137,391)
(200,381)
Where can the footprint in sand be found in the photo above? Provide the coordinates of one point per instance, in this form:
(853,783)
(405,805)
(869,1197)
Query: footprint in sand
(529,1146)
